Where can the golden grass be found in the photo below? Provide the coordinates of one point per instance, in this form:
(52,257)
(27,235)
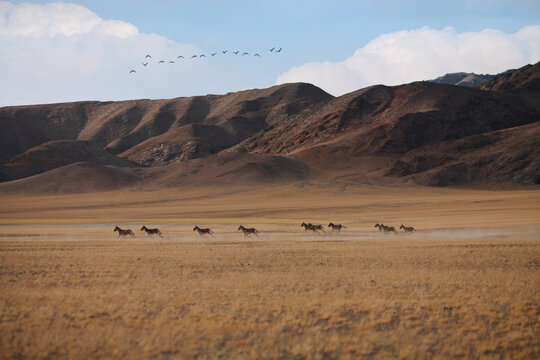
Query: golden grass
(467,285)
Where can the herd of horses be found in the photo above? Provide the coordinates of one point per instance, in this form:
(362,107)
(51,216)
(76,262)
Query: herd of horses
(382,227)
(252,231)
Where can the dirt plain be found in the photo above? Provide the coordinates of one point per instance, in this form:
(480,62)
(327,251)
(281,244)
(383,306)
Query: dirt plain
(465,285)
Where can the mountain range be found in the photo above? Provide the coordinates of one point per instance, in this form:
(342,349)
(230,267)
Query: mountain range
(464,79)
(428,133)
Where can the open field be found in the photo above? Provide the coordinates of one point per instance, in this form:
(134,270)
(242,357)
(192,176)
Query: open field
(466,285)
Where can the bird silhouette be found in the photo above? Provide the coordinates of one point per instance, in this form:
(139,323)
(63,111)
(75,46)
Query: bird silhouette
(194,56)
(147,56)
(202,55)
(213,54)
(224,51)
(144,64)
(279,50)
(272,49)
(162,61)
(171,62)
(236,52)
(257,55)
(245,54)
(132,71)
(179,56)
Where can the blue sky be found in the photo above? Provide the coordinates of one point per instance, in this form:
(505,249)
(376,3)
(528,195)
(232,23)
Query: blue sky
(312,30)
(324,42)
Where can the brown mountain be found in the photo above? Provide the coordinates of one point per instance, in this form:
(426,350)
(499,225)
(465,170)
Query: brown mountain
(75,178)
(463,79)
(55,154)
(527,78)
(424,132)
(119,126)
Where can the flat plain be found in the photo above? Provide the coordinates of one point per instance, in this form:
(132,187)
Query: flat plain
(465,285)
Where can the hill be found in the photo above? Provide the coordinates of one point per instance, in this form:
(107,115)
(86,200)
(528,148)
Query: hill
(55,154)
(463,79)
(527,79)
(423,132)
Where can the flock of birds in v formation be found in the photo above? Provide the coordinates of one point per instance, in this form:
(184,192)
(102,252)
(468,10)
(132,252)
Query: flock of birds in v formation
(237,52)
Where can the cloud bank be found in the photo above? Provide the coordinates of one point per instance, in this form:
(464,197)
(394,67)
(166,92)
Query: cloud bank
(423,54)
(65,52)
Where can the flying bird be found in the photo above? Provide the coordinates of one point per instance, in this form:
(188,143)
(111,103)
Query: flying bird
(147,56)
(245,54)
(257,55)
(213,54)
(162,61)
(202,55)
(132,71)
(179,56)
(279,50)
(224,51)
(272,49)
(194,56)
(236,52)
(171,62)
(144,64)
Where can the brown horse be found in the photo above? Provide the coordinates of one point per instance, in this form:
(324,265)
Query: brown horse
(248,231)
(407,228)
(122,232)
(150,232)
(385,228)
(203,232)
(310,226)
(335,227)
(389,229)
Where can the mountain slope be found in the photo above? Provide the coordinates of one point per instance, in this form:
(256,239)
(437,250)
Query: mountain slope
(423,132)
(395,123)
(119,126)
(527,78)
(463,79)
(55,154)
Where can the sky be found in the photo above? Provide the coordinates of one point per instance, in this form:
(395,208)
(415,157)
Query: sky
(85,50)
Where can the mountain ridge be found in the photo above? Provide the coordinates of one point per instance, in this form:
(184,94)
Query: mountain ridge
(379,131)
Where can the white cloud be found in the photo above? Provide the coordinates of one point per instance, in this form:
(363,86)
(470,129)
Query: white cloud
(64,52)
(422,54)
(47,20)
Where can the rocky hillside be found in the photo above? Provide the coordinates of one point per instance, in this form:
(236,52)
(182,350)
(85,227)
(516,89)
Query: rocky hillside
(424,132)
(527,79)
(463,79)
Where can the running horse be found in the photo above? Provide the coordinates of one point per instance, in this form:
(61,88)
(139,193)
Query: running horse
(310,226)
(407,228)
(248,231)
(335,227)
(150,232)
(122,232)
(203,232)
(385,228)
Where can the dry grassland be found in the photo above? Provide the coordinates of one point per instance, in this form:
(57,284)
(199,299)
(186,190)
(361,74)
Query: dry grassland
(466,285)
